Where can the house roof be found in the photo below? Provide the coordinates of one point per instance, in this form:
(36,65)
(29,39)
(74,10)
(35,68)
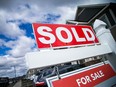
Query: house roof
(87,13)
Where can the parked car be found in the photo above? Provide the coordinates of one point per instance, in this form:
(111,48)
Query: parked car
(52,71)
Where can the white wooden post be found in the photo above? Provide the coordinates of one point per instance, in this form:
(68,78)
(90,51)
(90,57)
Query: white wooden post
(105,37)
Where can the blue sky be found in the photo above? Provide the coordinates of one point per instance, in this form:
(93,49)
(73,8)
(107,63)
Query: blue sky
(16,33)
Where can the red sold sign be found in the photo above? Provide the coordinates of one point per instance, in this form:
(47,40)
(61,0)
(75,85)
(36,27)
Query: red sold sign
(59,35)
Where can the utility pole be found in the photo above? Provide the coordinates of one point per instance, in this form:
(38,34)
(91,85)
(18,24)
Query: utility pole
(15,71)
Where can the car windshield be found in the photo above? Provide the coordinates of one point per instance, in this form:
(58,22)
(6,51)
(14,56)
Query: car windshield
(51,71)
(47,72)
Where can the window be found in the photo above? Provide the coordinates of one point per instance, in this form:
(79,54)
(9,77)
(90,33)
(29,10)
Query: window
(105,19)
(110,18)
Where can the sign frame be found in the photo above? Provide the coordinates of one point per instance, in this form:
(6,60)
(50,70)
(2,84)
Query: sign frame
(64,55)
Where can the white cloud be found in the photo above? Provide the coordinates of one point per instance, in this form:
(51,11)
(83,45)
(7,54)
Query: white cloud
(20,46)
(43,4)
(9,64)
(10,30)
(36,11)
(67,13)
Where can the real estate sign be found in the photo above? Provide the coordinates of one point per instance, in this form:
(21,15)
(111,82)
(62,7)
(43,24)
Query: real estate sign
(59,35)
(96,76)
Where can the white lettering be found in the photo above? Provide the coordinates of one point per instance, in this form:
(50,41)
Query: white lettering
(78,82)
(83,80)
(102,74)
(46,33)
(92,76)
(88,79)
(76,36)
(60,36)
(97,75)
(85,30)
(49,37)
